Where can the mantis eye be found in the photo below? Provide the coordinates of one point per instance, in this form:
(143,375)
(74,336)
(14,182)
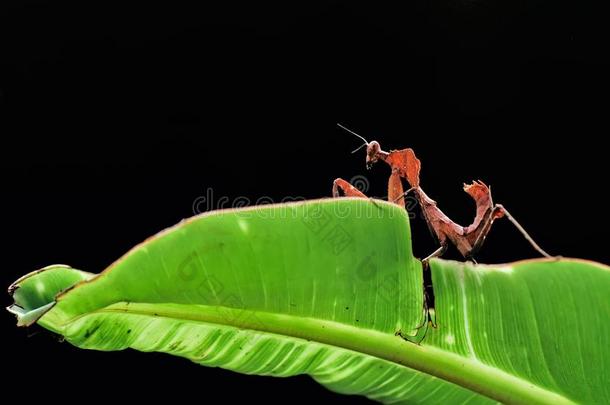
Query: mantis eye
(373,148)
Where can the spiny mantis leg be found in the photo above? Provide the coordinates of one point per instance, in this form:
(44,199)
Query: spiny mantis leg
(347,189)
(396,193)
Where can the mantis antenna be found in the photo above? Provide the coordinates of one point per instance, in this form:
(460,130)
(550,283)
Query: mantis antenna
(353,133)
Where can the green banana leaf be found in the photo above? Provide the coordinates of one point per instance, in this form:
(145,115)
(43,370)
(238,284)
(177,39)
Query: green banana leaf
(322,288)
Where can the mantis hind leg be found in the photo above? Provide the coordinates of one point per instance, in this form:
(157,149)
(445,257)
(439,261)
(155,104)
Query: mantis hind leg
(429,294)
(429,319)
(429,312)
(500,211)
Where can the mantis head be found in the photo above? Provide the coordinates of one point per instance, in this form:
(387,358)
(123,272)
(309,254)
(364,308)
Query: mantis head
(373,148)
(372,153)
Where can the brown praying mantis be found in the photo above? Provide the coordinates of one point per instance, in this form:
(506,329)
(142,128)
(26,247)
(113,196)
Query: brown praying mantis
(405,165)
(467,239)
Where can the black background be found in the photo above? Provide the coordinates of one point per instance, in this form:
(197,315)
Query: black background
(115,119)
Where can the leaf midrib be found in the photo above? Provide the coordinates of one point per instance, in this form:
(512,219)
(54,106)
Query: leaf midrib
(463,371)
